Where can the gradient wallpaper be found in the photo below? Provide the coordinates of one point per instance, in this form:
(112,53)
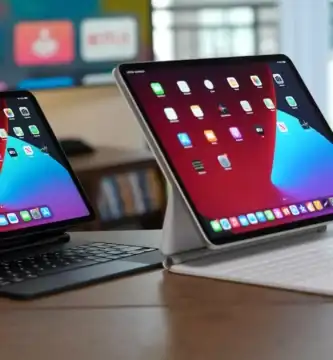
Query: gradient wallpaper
(33,181)
(286,164)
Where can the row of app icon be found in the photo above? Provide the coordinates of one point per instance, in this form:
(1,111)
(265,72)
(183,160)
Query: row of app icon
(197,111)
(234,131)
(270,215)
(185,88)
(54,42)
(25,215)
(10,113)
(18,131)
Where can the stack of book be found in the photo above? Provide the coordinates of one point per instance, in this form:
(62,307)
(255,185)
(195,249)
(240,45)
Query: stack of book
(129,194)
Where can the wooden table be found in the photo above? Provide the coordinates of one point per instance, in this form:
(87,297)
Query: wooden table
(161,316)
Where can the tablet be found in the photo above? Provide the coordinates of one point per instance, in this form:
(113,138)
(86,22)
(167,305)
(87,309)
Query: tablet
(242,139)
(38,189)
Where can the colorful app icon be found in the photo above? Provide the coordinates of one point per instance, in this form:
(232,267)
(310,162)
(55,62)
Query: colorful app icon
(277,213)
(35,213)
(286,211)
(261,216)
(210,136)
(3,134)
(234,222)
(28,150)
(310,206)
(24,111)
(302,209)
(252,219)
(260,130)
(269,214)
(3,220)
(34,130)
(291,101)
(197,112)
(108,38)
(223,110)
(45,211)
(282,126)
(25,215)
(224,161)
(184,139)
(246,106)
(171,114)
(269,103)
(43,43)
(236,134)
(157,88)
(233,82)
(12,218)
(9,112)
(209,85)
(18,131)
(183,87)
(256,80)
(278,79)
(198,166)
(243,220)
(225,224)
(318,205)
(216,226)
(294,210)
(12,152)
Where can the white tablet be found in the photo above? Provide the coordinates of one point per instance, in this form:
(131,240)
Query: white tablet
(241,138)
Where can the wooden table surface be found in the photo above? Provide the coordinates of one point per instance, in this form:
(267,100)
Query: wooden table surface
(161,316)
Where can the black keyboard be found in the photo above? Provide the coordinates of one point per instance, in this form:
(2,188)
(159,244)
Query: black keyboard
(50,263)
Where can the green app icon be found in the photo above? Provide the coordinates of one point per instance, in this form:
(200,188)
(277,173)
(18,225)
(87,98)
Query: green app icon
(269,214)
(216,226)
(25,215)
(157,88)
(34,130)
(291,101)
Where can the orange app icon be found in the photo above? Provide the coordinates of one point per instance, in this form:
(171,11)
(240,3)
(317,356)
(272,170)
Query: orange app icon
(43,43)
(210,136)
(318,205)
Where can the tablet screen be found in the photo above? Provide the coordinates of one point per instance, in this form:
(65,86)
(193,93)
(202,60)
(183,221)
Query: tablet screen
(244,138)
(36,186)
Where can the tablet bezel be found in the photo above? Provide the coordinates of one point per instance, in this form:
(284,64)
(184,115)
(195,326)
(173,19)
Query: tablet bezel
(52,226)
(166,164)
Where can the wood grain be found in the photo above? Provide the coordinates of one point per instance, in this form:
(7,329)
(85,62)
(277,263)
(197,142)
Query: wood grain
(162,316)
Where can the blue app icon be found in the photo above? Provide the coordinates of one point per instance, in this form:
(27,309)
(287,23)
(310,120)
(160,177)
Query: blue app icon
(294,210)
(261,216)
(243,220)
(302,209)
(3,220)
(12,218)
(46,212)
(252,219)
(225,224)
(184,139)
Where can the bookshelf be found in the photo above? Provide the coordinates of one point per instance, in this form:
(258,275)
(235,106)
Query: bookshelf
(126,188)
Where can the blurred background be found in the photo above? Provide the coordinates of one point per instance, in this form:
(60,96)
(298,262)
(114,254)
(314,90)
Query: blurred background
(65,50)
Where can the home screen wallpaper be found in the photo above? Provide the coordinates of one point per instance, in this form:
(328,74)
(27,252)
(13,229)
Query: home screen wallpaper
(246,141)
(35,186)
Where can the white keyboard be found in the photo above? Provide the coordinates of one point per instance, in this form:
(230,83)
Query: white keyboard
(306,267)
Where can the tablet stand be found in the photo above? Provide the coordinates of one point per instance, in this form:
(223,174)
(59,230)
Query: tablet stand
(183,242)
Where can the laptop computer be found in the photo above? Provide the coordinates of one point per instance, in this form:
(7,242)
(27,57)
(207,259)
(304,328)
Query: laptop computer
(40,199)
(243,144)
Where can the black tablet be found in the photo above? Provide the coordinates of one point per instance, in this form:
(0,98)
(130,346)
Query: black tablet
(242,138)
(38,189)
